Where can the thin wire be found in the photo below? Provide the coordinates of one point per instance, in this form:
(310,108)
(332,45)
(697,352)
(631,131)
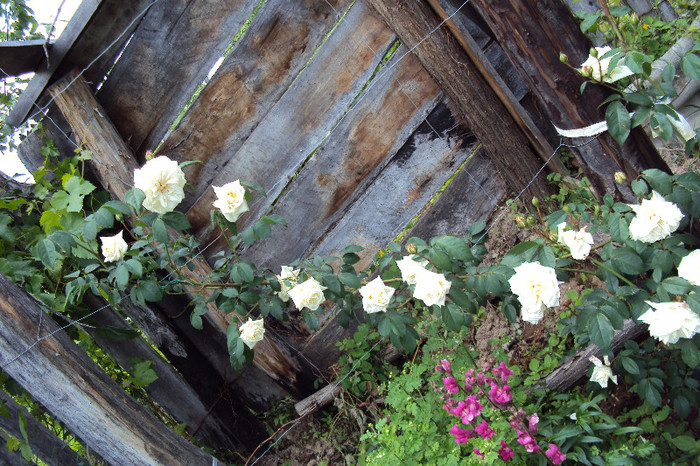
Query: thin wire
(303,356)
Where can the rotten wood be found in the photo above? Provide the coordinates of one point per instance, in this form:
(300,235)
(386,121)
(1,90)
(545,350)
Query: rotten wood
(168,57)
(252,78)
(473,98)
(574,369)
(318,400)
(115,165)
(21,56)
(45,445)
(533,35)
(60,376)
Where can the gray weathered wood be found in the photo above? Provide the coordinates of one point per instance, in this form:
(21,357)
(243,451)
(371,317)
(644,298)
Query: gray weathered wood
(468,90)
(59,375)
(275,49)
(21,56)
(351,159)
(45,445)
(318,399)
(169,55)
(301,119)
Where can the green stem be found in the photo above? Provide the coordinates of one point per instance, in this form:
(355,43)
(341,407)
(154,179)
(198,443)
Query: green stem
(600,264)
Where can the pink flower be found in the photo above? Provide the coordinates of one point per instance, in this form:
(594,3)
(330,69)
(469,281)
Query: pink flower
(484,430)
(451,384)
(505,452)
(481,379)
(478,453)
(461,435)
(500,395)
(470,409)
(532,424)
(469,380)
(528,442)
(444,366)
(503,372)
(555,454)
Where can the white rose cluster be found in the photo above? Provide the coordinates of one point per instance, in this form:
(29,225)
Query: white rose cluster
(430,287)
(409,267)
(602,372)
(578,241)
(689,268)
(163,183)
(655,219)
(252,332)
(288,279)
(376,296)
(114,247)
(230,200)
(308,294)
(537,288)
(599,68)
(669,322)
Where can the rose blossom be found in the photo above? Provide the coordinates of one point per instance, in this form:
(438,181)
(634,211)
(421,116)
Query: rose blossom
(114,247)
(252,332)
(689,268)
(230,200)
(162,181)
(578,241)
(431,287)
(537,288)
(376,296)
(668,322)
(598,68)
(656,219)
(308,294)
(409,267)
(602,372)
(288,278)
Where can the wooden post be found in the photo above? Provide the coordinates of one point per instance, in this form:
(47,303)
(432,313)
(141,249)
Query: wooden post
(533,33)
(472,97)
(60,376)
(115,165)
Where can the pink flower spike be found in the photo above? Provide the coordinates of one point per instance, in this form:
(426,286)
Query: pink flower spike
(484,430)
(478,453)
(446,365)
(505,452)
(555,454)
(451,384)
(500,395)
(503,372)
(532,424)
(461,435)
(469,380)
(528,442)
(472,408)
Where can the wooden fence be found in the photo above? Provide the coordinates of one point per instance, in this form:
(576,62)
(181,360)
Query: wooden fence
(350,136)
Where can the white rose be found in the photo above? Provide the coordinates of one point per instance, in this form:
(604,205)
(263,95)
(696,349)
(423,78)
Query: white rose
(376,296)
(668,322)
(231,200)
(656,219)
(578,241)
(162,181)
(599,67)
(602,372)
(409,267)
(689,268)
(308,294)
(113,247)
(537,288)
(252,332)
(287,280)
(431,287)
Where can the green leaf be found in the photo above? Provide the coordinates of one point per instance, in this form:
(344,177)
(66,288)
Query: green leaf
(661,125)
(176,220)
(689,180)
(331,282)
(121,276)
(183,165)
(249,297)
(151,291)
(350,280)
(117,207)
(640,188)
(630,365)
(455,247)
(690,352)
(690,64)
(262,229)
(351,258)
(142,374)
(134,267)
(619,122)
(627,261)
(160,231)
(45,251)
(116,334)
(134,198)
(589,21)
(684,443)
(477,227)
(676,285)
(104,218)
(254,187)
(601,330)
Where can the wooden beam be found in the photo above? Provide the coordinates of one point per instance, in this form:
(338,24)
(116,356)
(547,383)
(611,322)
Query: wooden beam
(473,98)
(61,377)
(21,56)
(115,164)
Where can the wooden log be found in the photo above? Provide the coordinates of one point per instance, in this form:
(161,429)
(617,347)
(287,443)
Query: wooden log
(574,369)
(168,57)
(317,400)
(59,375)
(45,445)
(533,35)
(217,428)
(473,98)
(259,70)
(115,165)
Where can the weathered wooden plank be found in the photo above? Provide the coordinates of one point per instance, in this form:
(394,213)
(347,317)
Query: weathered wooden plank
(280,41)
(21,56)
(55,128)
(115,165)
(59,375)
(414,174)
(350,159)
(45,445)
(169,55)
(173,393)
(533,35)
(304,115)
(473,98)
